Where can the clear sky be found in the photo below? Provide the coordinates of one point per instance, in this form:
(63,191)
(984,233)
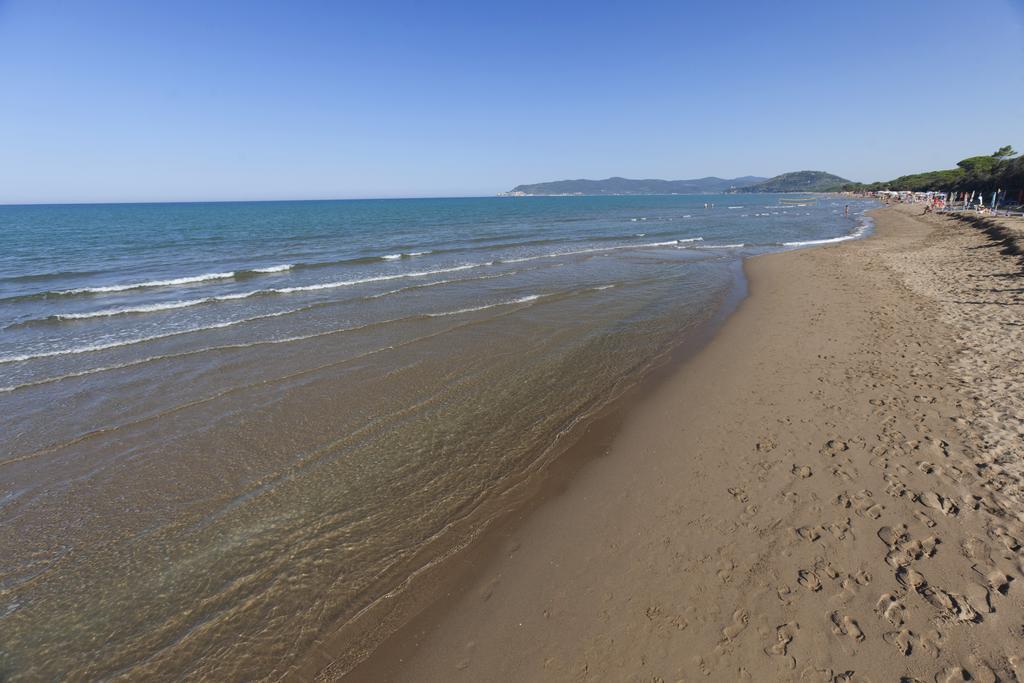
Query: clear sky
(151,100)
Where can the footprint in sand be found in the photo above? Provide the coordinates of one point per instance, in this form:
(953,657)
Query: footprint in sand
(902,549)
(894,486)
(740,620)
(953,607)
(864,506)
(1017,664)
(784,635)
(891,609)
(841,529)
(812,674)
(739,494)
(843,625)
(931,642)
(910,551)
(893,535)
(850,677)
(979,598)
(833,447)
(1002,534)
(997,580)
(902,640)
(911,579)
(953,473)
(982,672)
(705,666)
(936,502)
(848,592)
(977,550)
(801,471)
(924,519)
(849,474)
(953,674)
(809,580)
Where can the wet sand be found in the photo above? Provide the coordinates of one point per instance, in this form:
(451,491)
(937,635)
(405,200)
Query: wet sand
(829,491)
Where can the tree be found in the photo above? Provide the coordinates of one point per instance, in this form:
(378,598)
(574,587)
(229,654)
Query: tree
(1004,152)
(978,165)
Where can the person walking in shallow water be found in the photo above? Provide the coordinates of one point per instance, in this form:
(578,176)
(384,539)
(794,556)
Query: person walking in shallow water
(846,211)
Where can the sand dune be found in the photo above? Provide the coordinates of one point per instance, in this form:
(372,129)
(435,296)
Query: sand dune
(830,491)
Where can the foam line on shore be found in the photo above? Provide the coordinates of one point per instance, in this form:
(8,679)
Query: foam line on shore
(242,345)
(154,284)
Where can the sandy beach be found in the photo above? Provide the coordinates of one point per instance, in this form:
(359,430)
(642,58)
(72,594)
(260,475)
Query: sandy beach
(829,491)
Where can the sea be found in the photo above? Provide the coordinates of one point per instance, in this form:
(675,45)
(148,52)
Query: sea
(230,430)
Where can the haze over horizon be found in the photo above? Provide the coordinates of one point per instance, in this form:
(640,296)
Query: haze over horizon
(115,101)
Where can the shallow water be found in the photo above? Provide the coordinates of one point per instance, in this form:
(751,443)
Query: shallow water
(230,427)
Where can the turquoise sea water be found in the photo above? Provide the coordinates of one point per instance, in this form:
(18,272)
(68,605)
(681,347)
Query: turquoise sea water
(228,428)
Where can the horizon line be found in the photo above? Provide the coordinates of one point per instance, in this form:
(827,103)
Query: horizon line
(497,195)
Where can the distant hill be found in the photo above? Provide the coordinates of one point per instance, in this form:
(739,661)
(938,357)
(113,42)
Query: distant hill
(798,181)
(710,185)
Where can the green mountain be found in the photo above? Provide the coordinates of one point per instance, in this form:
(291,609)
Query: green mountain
(710,185)
(798,181)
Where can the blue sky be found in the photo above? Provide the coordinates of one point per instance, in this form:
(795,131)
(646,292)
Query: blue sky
(154,101)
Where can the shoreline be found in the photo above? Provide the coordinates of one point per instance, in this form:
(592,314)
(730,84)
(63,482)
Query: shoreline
(415,599)
(413,602)
(590,581)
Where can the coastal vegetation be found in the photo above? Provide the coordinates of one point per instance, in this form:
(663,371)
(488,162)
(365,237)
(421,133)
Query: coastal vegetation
(1001,170)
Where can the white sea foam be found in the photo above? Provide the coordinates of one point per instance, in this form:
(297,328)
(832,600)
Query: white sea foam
(828,241)
(391,257)
(243,345)
(127,342)
(435,283)
(204,328)
(859,232)
(175,282)
(522,300)
(108,345)
(107,312)
(172,305)
(274,269)
(152,283)
(379,278)
(596,250)
(720,246)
